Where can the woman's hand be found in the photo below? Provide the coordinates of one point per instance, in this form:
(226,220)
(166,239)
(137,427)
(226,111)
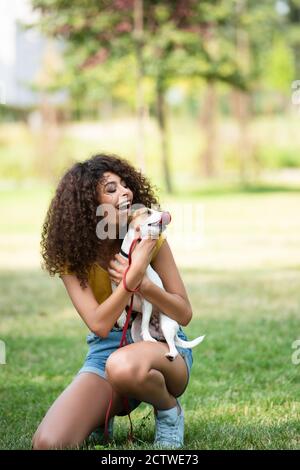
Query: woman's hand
(140,259)
(116,271)
(117,268)
(142,253)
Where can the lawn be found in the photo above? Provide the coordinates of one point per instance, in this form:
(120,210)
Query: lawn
(243,280)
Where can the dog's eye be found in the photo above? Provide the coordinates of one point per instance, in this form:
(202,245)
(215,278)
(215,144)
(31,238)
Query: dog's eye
(148,211)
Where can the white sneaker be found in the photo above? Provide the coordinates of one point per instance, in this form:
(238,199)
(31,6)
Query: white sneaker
(169,427)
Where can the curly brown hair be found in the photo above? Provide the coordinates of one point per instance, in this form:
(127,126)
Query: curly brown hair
(69,239)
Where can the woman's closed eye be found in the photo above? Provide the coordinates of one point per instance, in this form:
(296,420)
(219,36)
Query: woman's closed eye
(111,188)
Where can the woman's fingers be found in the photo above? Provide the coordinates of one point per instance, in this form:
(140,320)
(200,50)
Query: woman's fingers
(116,266)
(119,262)
(121,259)
(114,278)
(113,273)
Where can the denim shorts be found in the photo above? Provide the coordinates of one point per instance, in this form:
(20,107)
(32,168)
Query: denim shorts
(101,348)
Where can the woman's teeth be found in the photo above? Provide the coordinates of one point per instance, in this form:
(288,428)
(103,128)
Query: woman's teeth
(124,206)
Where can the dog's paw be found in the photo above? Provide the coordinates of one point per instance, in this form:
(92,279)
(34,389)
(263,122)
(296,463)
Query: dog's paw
(170,356)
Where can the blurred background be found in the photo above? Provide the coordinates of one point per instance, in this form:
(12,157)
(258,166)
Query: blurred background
(204,98)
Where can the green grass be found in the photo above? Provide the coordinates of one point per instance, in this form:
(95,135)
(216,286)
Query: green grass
(244,389)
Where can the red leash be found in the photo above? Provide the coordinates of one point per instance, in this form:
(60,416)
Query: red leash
(123,342)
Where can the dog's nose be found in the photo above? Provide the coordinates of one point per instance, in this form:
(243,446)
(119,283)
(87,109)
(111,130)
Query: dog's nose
(165,218)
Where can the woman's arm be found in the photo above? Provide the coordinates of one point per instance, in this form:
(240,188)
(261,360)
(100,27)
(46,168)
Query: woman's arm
(173,301)
(100,318)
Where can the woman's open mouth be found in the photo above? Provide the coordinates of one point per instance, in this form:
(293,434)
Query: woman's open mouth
(124,206)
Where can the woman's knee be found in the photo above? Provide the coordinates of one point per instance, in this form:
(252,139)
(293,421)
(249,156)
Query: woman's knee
(43,440)
(123,372)
(49,441)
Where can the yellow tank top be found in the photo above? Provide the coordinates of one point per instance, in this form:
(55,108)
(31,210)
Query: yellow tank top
(99,280)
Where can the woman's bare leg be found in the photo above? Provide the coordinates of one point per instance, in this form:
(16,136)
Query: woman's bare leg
(76,413)
(141,370)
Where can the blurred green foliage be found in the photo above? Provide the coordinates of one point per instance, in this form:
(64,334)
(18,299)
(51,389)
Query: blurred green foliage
(240,44)
(277,145)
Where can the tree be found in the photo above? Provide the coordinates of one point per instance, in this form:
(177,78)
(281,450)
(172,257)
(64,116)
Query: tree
(169,39)
(172,44)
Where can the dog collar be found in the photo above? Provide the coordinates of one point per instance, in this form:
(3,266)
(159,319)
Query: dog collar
(124,254)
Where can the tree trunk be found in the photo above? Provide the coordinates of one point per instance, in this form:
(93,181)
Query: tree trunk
(161,114)
(106,108)
(48,139)
(241,111)
(241,99)
(208,121)
(140,106)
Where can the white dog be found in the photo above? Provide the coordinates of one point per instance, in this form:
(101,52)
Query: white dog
(152,223)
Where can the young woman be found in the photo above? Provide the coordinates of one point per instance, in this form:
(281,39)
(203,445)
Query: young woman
(87,263)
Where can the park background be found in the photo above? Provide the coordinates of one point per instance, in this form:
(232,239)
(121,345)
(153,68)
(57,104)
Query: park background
(202,96)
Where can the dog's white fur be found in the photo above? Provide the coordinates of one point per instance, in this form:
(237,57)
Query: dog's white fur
(140,326)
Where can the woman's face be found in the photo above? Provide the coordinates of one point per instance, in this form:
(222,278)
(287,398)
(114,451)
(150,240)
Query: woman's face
(113,191)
